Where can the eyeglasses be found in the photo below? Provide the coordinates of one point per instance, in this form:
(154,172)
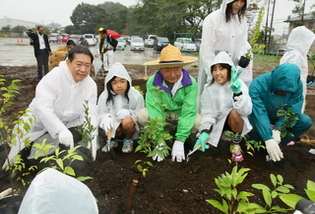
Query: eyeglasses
(86,65)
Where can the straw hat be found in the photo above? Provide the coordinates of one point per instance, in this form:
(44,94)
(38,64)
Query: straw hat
(171,57)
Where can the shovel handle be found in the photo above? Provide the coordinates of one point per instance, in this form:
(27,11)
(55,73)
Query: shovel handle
(109,134)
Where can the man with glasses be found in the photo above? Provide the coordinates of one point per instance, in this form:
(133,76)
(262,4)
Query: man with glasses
(58,106)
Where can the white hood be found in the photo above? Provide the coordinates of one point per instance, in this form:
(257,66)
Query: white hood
(301,39)
(118,70)
(222,57)
(225,2)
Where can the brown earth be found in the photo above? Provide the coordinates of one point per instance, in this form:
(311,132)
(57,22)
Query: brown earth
(172,187)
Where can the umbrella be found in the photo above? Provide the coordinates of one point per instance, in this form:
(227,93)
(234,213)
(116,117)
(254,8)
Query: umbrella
(113,34)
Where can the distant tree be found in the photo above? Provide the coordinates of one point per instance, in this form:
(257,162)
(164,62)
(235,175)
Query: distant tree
(69,29)
(19,30)
(6,28)
(87,18)
(117,16)
(164,18)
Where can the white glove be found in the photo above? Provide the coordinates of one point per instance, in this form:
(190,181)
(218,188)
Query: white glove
(123,113)
(106,123)
(157,157)
(178,151)
(276,135)
(66,138)
(273,150)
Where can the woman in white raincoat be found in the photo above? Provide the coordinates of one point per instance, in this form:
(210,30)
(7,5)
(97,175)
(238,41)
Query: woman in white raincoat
(225,105)
(58,106)
(224,30)
(118,106)
(298,45)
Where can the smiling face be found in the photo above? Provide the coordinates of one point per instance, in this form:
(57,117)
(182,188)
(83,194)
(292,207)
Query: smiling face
(237,5)
(171,75)
(80,66)
(220,74)
(119,85)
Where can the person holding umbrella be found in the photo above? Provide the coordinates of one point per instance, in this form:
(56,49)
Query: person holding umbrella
(107,46)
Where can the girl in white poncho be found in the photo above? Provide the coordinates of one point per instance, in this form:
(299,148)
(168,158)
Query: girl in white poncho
(118,106)
(225,105)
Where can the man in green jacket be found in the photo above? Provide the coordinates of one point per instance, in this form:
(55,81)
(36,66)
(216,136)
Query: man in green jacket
(171,96)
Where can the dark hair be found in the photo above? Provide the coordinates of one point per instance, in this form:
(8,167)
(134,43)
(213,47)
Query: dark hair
(79,49)
(70,42)
(109,88)
(39,26)
(103,31)
(229,10)
(223,65)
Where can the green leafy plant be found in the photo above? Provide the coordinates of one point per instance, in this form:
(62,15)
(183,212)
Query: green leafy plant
(279,189)
(255,47)
(11,131)
(233,200)
(86,129)
(236,201)
(58,160)
(292,199)
(152,137)
(289,119)
(138,88)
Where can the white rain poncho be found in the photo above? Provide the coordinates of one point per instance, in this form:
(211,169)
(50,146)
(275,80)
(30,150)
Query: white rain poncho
(219,35)
(52,192)
(217,102)
(135,103)
(59,104)
(298,45)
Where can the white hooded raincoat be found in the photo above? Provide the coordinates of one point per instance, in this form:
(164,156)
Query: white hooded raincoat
(136,100)
(217,102)
(298,45)
(59,104)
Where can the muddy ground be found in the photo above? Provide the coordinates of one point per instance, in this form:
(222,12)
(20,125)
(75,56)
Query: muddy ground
(172,187)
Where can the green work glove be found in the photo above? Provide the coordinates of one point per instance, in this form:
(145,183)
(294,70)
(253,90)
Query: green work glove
(201,142)
(234,82)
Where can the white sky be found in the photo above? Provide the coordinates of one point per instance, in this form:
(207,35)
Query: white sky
(47,11)
(59,11)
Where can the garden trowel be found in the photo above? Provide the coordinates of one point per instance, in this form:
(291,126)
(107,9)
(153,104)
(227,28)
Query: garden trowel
(192,151)
(109,148)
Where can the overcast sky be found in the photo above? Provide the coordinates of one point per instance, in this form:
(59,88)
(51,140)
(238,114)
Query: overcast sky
(59,11)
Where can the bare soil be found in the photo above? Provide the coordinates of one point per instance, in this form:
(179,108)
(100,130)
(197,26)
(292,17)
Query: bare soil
(172,187)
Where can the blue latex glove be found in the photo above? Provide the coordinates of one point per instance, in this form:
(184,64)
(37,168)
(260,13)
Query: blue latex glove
(234,82)
(202,141)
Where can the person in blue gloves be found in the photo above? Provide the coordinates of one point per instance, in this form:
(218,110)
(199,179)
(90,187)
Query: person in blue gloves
(273,91)
(225,105)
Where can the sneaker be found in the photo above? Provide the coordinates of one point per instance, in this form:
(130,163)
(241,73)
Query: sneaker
(128,146)
(237,140)
(113,143)
(236,152)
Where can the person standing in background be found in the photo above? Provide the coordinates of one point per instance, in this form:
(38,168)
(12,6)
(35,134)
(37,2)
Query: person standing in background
(298,45)
(107,46)
(225,30)
(41,50)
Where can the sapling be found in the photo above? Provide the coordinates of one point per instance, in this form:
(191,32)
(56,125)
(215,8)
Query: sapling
(152,136)
(58,160)
(289,119)
(269,194)
(86,129)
